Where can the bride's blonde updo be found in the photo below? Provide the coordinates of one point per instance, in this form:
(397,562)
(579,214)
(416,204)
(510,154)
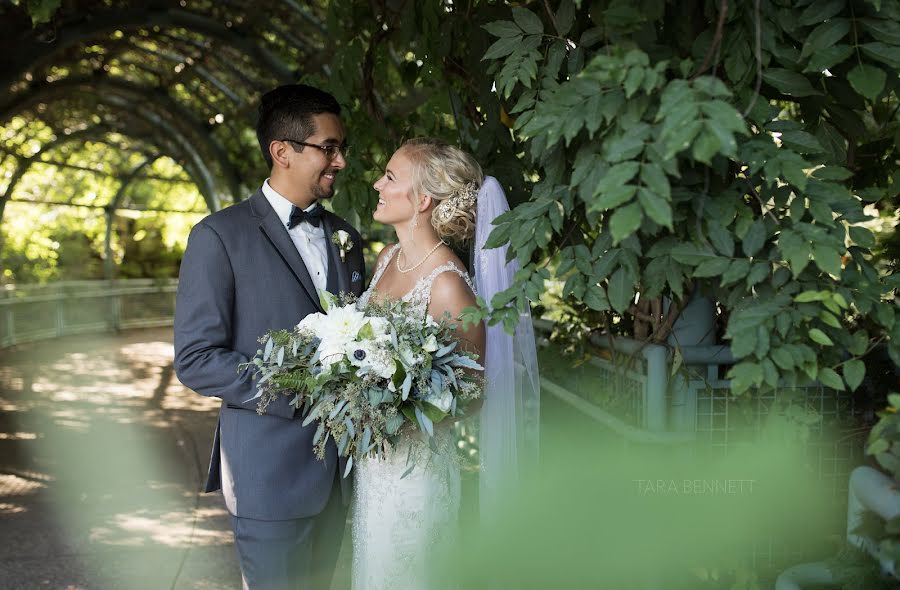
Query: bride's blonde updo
(451,177)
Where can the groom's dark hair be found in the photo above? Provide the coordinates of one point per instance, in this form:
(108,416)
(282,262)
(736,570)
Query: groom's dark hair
(286,113)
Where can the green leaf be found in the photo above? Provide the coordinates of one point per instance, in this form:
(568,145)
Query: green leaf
(595,298)
(884,314)
(854,371)
(675,278)
(680,139)
(706,145)
(755,238)
(862,236)
(859,341)
(712,268)
(743,320)
(867,80)
(653,277)
(737,271)
(829,319)
(770,373)
(758,273)
(883,53)
(819,337)
(604,264)
(801,141)
(689,253)
(830,378)
(499,236)
(633,81)
(565,16)
(825,35)
(745,375)
(743,344)
(722,114)
(789,83)
(614,197)
(810,296)
(721,238)
(621,290)
(617,176)
(795,250)
(529,21)
(503,28)
(832,173)
(625,221)
(591,36)
(882,29)
(879,446)
(828,58)
(656,207)
(656,180)
(502,47)
(626,147)
(827,259)
(782,358)
(819,11)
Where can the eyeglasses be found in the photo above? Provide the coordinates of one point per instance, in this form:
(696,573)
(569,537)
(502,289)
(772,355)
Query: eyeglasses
(330,151)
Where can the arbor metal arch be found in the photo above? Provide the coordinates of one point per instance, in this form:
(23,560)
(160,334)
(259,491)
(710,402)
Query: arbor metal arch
(225,58)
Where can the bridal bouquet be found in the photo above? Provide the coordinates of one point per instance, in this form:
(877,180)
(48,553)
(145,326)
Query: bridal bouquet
(365,372)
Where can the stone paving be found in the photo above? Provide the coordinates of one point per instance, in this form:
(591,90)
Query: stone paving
(102,456)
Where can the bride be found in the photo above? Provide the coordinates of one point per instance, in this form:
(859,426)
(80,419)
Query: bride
(405,506)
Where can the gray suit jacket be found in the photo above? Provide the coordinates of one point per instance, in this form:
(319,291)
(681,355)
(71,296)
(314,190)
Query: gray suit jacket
(240,277)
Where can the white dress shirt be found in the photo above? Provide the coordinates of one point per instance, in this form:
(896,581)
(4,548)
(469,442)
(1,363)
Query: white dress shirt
(308,239)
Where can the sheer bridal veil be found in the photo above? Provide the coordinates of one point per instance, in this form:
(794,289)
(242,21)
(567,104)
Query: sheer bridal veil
(510,415)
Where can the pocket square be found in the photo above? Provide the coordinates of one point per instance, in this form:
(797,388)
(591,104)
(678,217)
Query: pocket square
(355,277)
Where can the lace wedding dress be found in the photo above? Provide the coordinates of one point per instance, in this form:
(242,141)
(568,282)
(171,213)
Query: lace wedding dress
(403,522)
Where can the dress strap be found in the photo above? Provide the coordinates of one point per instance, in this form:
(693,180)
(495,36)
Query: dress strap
(420,295)
(448,267)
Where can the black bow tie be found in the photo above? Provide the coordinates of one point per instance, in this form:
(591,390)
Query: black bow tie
(313,216)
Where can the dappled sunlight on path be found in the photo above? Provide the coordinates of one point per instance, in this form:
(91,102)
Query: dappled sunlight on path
(102,455)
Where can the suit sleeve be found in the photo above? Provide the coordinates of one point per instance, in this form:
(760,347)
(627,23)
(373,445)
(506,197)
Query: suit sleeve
(204,306)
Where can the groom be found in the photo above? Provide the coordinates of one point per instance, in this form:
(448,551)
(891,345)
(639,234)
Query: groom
(254,267)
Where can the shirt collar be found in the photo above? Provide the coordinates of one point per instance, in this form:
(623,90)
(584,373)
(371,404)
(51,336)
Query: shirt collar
(280,204)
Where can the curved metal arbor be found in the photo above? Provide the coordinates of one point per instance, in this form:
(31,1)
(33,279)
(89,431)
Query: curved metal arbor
(149,80)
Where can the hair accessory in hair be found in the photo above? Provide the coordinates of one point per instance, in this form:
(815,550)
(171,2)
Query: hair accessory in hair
(463,198)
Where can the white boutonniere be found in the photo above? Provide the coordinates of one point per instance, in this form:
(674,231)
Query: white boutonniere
(342,240)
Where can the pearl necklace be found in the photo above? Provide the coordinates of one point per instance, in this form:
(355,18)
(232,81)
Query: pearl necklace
(417,265)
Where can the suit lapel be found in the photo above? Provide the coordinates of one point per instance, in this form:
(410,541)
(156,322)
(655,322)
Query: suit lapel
(277,235)
(338,281)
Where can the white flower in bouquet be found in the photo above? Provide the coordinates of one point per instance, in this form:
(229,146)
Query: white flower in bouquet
(372,358)
(342,324)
